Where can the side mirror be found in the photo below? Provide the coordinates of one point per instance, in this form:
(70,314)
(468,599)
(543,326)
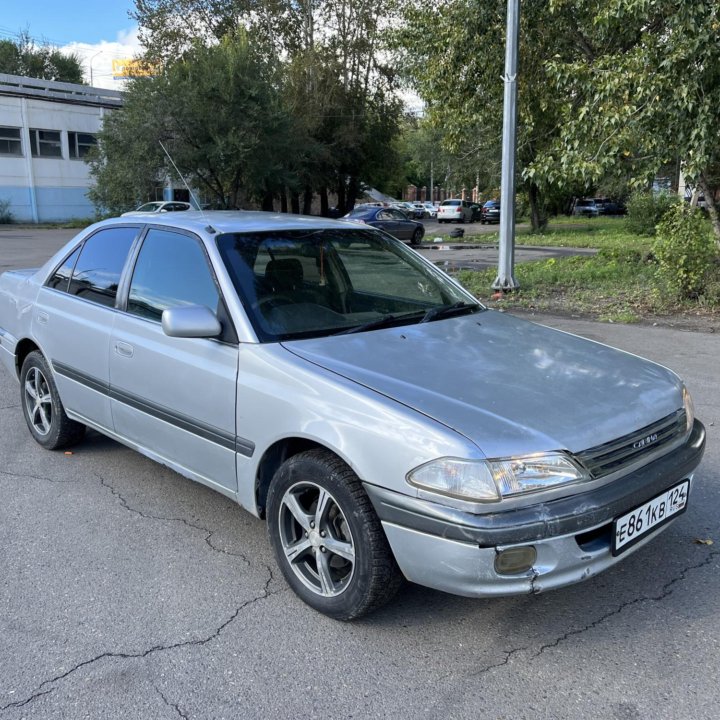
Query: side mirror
(190,321)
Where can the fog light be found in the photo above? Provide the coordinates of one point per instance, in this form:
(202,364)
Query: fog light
(515,560)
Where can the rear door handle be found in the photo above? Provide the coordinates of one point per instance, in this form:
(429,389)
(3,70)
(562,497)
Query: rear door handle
(123,349)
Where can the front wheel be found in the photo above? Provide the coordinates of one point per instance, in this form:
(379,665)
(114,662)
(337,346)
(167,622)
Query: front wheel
(327,538)
(416,238)
(42,407)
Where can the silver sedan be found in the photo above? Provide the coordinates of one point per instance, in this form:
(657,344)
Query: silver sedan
(331,380)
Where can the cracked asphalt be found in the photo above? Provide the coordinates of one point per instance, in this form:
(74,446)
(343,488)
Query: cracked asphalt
(127,591)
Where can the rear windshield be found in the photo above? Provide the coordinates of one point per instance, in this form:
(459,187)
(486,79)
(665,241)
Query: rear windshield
(452,202)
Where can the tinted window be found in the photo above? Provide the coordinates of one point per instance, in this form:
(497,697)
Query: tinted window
(452,202)
(97,272)
(61,277)
(171,271)
(300,283)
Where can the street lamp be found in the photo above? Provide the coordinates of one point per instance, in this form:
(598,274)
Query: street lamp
(99,52)
(505,279)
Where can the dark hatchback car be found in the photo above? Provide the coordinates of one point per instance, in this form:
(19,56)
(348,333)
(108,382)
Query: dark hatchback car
(392,221)
(490,212)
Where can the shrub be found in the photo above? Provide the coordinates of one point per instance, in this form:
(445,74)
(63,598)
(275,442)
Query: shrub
(646,209)
(5,214)
(685,250)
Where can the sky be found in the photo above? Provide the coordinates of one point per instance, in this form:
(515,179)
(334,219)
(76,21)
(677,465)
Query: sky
(97,31)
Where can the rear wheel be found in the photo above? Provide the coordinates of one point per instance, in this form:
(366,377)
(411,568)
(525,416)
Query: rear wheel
(42,407)
(327,538)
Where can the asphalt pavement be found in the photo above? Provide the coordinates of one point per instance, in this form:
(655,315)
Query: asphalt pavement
(130,592)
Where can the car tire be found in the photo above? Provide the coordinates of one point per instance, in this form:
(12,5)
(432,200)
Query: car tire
(43,410)
(327,539)
(416,238)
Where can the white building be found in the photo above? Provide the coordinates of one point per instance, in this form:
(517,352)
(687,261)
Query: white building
(46,129)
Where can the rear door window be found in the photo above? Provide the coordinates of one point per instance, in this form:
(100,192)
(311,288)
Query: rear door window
(97,272)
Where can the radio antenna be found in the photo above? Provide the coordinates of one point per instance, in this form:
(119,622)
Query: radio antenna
(192,195)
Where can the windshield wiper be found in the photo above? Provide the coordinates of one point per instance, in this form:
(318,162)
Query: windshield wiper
(372,325)
(457,308)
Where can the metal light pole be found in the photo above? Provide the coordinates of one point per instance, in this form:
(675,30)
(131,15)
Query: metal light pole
(505,279)
(99,52)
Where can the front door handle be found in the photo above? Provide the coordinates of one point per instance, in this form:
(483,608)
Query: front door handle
(123,349)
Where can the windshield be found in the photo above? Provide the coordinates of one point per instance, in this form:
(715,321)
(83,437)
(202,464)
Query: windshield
(299,283)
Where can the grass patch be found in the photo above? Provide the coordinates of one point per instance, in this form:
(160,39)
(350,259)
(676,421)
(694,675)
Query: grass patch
(618,284)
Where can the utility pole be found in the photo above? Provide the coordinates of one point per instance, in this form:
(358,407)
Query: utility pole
(505,279)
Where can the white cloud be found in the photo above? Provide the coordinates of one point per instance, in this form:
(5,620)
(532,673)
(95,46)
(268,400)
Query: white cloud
(98,57)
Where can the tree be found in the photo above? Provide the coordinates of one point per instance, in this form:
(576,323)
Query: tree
(453,54)
(338,89)
(220,112)
(24,57)
(643,92)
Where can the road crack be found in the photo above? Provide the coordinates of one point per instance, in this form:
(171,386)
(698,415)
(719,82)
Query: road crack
(666,590)
(208,532)
(45,687)
(29,476)
(174,706)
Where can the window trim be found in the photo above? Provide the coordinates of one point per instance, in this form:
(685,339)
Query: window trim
(81,245)
(76,145)
(33,132)
(229,335)
(19,139)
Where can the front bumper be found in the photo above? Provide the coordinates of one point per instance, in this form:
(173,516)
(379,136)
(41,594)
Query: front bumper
(454,551)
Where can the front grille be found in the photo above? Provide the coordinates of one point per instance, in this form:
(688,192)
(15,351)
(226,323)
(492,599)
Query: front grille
(618,454)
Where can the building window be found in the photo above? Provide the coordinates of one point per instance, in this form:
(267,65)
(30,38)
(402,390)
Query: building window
(80,144)
(10,141)
(45,143)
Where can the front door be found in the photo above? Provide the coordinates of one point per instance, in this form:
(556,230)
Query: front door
(175,397)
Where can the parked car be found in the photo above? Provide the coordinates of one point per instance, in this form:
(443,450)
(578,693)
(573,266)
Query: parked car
(431,209)
(490,212)
(606,206)
(421,210)
(393,221)
(585,207)
(291,364)
(454,210)
(476,211)
(152,208)
(411,210)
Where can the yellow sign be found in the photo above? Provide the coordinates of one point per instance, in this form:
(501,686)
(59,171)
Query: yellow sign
(128,68)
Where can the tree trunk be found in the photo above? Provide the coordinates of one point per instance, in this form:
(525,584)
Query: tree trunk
(267,201)
(295,202)
(353,191)
(283,202)
(323,202)
(538,216)
(711,207)
(341,196)
(307,201)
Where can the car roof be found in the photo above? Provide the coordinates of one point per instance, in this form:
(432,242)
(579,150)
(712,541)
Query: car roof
(232,221)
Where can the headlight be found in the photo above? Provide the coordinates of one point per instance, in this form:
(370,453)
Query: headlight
(492,480)
(689,409)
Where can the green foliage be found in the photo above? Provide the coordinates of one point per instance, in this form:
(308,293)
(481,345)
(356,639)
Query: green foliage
(25,57)
(685,251)
(646,209)
(220,113)
(5,214)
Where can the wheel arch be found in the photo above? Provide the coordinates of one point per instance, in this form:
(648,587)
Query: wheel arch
(274,456)
(22,350)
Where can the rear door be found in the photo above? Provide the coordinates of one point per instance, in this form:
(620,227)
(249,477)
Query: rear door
(73,316)
(175,397)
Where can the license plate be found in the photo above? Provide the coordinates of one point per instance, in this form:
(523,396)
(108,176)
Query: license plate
(634,526)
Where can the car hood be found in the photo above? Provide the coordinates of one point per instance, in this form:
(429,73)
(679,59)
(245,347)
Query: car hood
(510,386)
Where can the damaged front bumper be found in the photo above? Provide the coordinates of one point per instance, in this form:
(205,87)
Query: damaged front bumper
(455,551)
